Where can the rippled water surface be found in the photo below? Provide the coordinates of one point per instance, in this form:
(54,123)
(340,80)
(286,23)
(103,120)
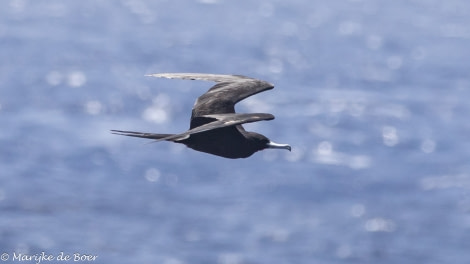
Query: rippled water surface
(372,96)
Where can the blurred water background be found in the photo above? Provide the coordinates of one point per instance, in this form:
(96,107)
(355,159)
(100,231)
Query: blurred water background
(372,96)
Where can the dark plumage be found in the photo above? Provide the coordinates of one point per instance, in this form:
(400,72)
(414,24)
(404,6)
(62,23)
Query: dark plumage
(215,127)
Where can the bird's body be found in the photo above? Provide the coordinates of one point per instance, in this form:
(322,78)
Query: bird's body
(215,128)
(226,142)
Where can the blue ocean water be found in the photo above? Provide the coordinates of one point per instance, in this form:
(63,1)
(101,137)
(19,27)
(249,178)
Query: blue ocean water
(372,96)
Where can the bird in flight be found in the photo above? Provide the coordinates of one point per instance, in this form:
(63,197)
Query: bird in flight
(215,128)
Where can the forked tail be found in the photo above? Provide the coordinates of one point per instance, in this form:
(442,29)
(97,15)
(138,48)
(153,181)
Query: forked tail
(140,134)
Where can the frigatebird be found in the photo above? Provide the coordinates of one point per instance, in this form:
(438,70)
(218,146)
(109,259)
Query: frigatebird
(215,128)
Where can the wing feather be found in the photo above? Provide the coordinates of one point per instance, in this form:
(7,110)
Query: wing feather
(222,120)
(222,97)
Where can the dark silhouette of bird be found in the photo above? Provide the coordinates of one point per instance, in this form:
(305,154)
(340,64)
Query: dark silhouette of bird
(215,128)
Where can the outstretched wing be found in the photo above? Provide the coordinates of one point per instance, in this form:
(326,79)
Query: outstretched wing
(221,98)
(200,76)
(221,120)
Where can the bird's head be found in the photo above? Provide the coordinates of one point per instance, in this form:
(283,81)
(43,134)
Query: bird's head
(263,142)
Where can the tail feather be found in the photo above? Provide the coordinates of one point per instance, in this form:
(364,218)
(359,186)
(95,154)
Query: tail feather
(140,134)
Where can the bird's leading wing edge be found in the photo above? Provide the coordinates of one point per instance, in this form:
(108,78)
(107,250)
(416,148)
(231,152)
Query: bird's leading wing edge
(200,76)
(222,120)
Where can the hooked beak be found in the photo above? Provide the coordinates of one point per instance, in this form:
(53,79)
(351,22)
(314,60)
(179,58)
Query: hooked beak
(278,146)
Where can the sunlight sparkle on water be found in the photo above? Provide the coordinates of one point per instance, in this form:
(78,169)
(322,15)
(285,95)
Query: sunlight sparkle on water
(158,112)
(324,154)
(93,107)
(390,136)
(76,79)
(358,210)
(379,224)
(152,175)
